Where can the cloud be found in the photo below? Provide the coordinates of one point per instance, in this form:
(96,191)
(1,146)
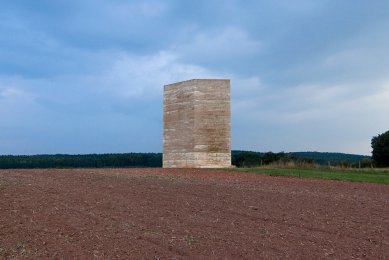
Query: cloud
(123,100)
(7,93)
(217,46)
(144,76)
(325,118)
(18,113)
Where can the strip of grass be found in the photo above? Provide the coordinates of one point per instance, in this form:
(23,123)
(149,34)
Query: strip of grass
(364,175)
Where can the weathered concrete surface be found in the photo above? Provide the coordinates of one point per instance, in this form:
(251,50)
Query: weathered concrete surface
(197,128)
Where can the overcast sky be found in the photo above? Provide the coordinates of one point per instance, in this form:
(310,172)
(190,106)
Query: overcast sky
(87,76)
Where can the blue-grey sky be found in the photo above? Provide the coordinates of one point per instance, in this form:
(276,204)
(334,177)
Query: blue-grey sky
(87,76)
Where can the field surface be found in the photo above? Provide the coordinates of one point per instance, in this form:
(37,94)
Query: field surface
(177,214)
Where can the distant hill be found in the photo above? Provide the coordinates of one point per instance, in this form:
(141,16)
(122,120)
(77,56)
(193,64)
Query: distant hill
(330,158)
(250,158)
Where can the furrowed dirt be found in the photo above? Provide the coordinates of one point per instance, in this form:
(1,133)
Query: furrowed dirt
(176,214)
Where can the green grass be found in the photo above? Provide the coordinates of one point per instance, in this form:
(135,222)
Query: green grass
(380,176)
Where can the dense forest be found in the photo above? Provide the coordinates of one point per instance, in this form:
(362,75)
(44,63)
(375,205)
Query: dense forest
(252,159)
(239,159)
(81,161)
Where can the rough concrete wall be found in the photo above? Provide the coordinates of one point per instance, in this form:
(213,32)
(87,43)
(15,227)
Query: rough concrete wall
(197,124)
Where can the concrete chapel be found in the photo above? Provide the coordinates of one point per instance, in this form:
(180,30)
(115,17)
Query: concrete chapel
(196,124)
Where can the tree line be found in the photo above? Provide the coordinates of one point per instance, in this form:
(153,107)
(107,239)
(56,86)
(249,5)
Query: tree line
(239,159)
(254,159)
(81,160)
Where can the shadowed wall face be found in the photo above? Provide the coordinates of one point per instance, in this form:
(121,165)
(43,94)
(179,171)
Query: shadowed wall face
(197,126)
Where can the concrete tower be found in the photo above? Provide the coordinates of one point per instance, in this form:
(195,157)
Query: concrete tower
(196,124)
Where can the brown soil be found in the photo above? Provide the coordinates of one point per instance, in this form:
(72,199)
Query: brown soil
(175,214)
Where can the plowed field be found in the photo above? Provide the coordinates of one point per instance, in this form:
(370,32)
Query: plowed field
(176,214)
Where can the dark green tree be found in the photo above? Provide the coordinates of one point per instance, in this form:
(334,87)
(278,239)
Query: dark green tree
(380,145)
